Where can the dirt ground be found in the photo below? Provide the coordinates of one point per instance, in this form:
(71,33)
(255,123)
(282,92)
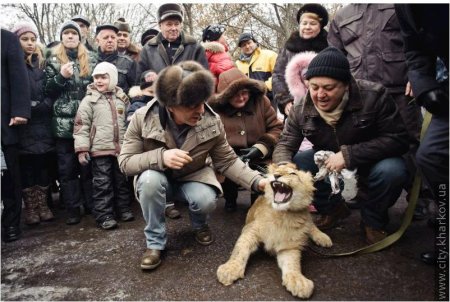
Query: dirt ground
(54,261)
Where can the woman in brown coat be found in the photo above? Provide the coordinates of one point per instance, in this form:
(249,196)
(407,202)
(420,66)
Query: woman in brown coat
(251,123)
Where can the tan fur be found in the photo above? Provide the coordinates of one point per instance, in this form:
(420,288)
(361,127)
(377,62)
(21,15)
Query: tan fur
(283,229)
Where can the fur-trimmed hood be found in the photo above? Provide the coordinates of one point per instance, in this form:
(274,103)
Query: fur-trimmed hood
(186,84)
(230,82)
(214,47)
(185,39)
(135,91)
(134,49)
(297,44)
(294,70)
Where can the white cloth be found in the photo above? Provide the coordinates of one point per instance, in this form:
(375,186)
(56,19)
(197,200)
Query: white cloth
(319,159)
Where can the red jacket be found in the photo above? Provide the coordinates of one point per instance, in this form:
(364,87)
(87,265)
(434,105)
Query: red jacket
(218,58)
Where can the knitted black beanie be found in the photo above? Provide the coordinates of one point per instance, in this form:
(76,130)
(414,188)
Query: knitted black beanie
(330,62)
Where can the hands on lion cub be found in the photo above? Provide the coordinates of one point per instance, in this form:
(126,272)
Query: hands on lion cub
(281,221)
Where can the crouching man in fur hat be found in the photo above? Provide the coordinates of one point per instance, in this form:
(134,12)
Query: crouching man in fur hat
(169,146)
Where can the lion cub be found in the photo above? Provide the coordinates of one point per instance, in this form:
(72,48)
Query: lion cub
(279,220)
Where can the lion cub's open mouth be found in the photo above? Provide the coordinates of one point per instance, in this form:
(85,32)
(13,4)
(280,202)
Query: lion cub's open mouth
(281,191)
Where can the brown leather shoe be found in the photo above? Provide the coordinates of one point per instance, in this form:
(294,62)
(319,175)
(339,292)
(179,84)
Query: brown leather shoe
(204,236)
(172,213)
(151,259)
(374,235)
(329,221)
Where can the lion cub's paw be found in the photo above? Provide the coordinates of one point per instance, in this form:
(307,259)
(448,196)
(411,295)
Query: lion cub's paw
(229,272)
(298,285)
(322,239)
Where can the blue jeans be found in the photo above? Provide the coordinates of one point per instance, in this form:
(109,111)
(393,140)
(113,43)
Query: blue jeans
(384,181)
(154,189)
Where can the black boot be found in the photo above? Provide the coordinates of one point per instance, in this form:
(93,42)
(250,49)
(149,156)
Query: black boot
(11,233)
(71,196)
(230,193)
(230,205)
(73,216)
(428,257)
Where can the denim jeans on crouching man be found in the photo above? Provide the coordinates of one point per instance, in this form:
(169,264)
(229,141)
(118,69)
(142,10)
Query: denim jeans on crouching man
(384,180)
(154,188)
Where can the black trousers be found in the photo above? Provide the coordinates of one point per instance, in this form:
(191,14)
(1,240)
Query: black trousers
(432,156)
(74,179)
(110,188)
(11,187)
(230,191)
(35,169)
(412,118)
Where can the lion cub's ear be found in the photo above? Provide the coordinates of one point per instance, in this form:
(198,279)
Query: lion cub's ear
(306,178)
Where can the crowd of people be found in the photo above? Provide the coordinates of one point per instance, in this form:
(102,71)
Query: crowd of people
(176,119)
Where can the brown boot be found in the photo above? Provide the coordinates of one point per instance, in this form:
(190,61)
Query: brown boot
(151,259)
(329,221)
(374,235)
(204,235)
(44,212)
(31,206)
(172,213)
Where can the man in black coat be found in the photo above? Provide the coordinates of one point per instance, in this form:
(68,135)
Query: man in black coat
(425,32)
(171,45)
(16,110)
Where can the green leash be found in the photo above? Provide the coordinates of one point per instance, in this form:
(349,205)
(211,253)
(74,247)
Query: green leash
(413,197)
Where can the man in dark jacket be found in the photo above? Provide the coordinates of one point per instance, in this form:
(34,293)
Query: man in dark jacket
(379,58)
(425,31)
(16,110)
(358,121)
(171,45)
(106,38)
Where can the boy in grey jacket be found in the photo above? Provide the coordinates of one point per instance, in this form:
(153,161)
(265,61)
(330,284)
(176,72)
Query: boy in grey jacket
(98,133)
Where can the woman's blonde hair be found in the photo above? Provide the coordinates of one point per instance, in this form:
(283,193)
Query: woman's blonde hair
(311,15)
(83,57)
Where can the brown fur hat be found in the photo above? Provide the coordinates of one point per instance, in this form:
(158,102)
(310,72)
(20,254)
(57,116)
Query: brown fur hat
(230,83)
(187,84)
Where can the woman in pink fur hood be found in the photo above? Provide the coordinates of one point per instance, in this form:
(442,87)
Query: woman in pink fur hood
(295,79)
(295,72)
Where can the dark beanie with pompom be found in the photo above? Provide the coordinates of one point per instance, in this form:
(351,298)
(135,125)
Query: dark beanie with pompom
(330,62)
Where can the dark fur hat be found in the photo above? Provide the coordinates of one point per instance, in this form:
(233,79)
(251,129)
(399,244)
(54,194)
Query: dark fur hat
(170,10)
(316,9)
(122,25)
(148,34)
(186,84)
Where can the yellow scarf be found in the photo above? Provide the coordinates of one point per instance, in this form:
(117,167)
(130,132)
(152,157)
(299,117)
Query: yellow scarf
(331,118)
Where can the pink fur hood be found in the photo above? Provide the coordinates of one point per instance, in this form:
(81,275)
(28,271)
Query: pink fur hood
(293,73)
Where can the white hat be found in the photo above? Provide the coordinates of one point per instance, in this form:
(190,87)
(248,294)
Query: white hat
(109,69)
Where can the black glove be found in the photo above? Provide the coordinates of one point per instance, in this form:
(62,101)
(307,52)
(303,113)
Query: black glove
(435,101)
(248,154)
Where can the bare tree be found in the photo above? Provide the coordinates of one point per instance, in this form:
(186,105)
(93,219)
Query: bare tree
(271,24)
